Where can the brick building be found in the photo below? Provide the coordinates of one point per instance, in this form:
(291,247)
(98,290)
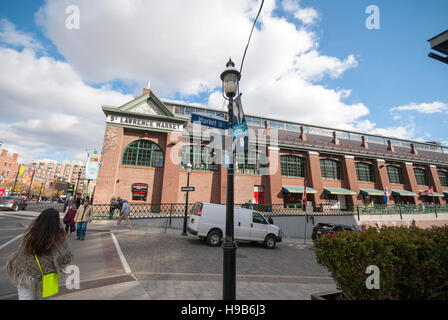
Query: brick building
(337,167)
(8,168)
(67,171)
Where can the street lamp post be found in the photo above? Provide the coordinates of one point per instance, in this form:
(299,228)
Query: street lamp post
(189,167)
(230,78)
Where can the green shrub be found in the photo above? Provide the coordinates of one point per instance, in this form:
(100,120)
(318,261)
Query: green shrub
(413,262)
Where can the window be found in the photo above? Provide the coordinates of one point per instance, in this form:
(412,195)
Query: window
(395,174)
(293,166)
(443,176)
(258,218)
(420,176)
(365,172)
(331,169)
(144,153)
(247,162)
(200,157)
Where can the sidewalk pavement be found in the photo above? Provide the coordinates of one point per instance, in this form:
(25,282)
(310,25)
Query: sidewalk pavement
(191,286)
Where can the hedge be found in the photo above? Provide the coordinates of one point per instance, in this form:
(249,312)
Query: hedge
(412,262)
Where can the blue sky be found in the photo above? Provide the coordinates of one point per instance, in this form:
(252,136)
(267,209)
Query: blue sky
(389,67)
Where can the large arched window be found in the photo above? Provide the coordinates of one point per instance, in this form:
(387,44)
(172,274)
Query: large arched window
(365,172)
(395,174)
(293,166)
(443,176)
(421,177)
(143,153)
(200,157)
(331,169)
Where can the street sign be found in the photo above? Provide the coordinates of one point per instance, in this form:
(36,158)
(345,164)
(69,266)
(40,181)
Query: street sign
(210,120)
(70,189)
(187,188)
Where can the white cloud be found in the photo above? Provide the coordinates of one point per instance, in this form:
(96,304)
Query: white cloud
(46,109)
(305,15)
(183,47)
(426,108)
(17,39)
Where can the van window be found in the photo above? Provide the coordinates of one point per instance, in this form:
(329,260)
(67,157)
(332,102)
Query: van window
(258,218)
(197,206)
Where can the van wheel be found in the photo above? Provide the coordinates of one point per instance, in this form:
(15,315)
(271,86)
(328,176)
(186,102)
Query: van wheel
(214,238)
(269,241)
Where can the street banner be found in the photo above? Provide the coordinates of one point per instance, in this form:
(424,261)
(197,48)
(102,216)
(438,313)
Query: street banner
(239,121)
(385,196)
(2,192)
(22,170)
(30,174)
(93,165)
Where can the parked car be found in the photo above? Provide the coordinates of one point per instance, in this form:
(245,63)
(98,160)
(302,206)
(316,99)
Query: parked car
(62,199)
(13,203)
(330,228)
(208,221)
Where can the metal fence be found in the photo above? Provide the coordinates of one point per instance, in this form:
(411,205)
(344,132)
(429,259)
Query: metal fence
(177,210)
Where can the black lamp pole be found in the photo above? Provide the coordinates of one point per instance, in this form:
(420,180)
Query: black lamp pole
(230,78)
(184,233)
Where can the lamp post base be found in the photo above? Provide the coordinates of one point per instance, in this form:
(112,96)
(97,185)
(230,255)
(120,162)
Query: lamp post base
(229,267)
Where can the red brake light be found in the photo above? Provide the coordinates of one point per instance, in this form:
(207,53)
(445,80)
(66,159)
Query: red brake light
(199,212)
(13,202)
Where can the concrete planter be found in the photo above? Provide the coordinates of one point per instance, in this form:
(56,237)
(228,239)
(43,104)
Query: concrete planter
(330,295)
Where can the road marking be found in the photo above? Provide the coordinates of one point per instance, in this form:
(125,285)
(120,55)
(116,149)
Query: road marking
(120,254)
(10,241)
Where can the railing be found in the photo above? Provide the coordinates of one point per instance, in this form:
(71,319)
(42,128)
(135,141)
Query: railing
(176,210)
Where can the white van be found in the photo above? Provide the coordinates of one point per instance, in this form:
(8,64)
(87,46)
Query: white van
(208,221)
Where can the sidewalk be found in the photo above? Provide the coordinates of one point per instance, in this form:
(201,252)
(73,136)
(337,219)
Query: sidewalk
(190,286)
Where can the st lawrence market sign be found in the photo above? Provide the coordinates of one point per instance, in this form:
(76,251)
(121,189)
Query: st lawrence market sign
(156,124)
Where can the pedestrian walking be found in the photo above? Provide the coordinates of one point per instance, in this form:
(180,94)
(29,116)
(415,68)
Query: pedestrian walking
(82,217)
(69,219)
(78,201)
(113,207)
(43,250)
(120,203)
(124,214)
(270,219)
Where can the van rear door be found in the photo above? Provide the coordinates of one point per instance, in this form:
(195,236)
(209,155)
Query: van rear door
(193,219)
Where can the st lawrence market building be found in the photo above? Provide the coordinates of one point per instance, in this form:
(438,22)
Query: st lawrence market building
(339,168)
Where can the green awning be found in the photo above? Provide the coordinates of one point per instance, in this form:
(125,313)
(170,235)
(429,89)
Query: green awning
(297,189)
(404,193)
(339,191)
(423,193)
(371,192)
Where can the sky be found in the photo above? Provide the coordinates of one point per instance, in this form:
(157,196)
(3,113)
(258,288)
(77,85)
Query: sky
(316,62)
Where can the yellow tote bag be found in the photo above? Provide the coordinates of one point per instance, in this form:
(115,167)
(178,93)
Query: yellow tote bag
(50,282)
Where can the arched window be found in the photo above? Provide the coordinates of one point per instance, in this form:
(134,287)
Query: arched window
(331,169)
(365,172)
(200,157)
(143,153)
(395,174)
(443,176)
(421,177)
(293,166)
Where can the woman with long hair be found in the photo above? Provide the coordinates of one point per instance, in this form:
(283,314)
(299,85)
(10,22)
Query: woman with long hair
(44,239)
